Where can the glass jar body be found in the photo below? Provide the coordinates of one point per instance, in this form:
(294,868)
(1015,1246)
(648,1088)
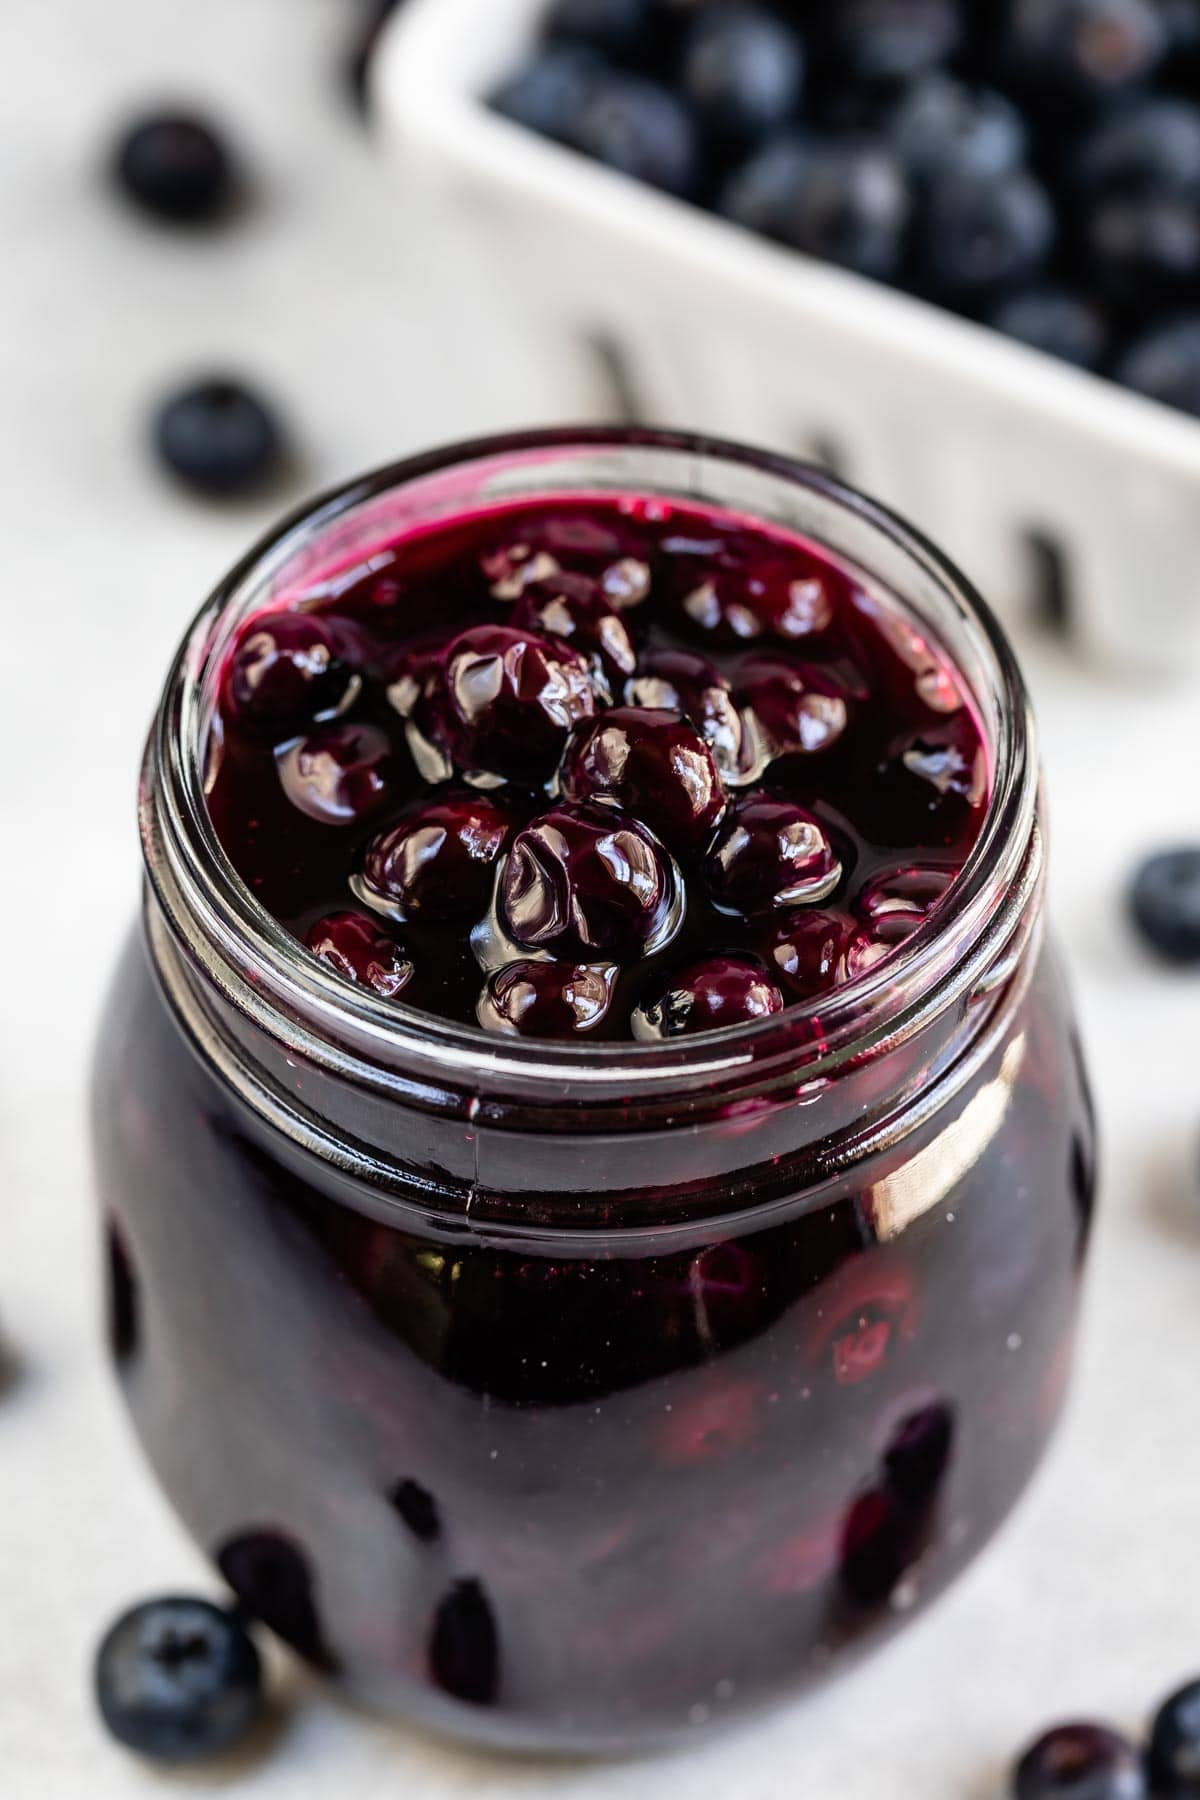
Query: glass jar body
(591,1489)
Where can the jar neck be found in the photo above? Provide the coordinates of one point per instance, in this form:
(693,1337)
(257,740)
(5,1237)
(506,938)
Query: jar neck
(262,1007)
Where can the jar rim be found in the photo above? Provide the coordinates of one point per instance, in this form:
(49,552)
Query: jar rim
(267,971)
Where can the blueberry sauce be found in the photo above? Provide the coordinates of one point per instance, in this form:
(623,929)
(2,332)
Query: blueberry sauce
(597,766)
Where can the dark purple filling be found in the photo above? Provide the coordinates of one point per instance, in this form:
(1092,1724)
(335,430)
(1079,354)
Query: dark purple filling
(597,766)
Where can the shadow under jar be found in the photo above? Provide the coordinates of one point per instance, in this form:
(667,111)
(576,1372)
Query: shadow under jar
(580,1396)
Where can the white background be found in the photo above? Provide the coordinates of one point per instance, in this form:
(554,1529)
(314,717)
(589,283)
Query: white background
(1090,1602)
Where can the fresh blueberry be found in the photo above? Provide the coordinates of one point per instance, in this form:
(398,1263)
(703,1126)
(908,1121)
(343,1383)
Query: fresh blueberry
(1080,1762)
(979,236)
(653,764)
(588,884)
(338,774)
(1063,324)
(219,438)
(682,681)
(285,673)
(640,128)
(844,201)
(713,596)
(617,27)
(178,1680)
(769,854)
(942,123)
(707,996)
(464,1645)
(176,167)
(437,865)
(502,702)
(1174,1755)
(547,999)
(1083,50)
(354,947)
(547,94)
(1164,364)
(1165,897)
(743,72)
(1144,253)
(1146,148)
(890,42)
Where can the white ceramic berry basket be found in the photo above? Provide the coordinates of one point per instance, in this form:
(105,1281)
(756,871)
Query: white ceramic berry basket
(998,452)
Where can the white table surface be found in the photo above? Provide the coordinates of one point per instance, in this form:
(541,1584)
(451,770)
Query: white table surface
(1091,1599)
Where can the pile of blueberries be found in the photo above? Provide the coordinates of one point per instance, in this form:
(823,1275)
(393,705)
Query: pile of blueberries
(1033,164)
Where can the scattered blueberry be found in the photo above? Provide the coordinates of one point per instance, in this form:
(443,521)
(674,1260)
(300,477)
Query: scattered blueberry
(979,236)
(1165,901)
(941,123)
(176,167)
(1174,1756)
(844,201)
(178,1680)
(639,127)
(1080,1762)
(1063,324)
(742,72)
(339,774)
(219,438)
(438,862)
(1148,147)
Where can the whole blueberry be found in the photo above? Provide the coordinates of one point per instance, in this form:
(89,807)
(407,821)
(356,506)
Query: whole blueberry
(589,884)
(437,864)
(799,707)
(769,854)
(338,774)
(1144,252)
(176,167)
(707,996)
(805,950)
(742,72)
(1083,51)
(638,127)
(1165,897)
(893,41)
(979,236)
(617,27)
(1174,1755)
(1165,364)
(844,201)
(1080,1762)
(502,702)
(354,947)
(547,93)
(178,1680)
(1148,147)
(1063,324)
(285,673)
(942,123)
(219,438)
(685,682)
(547,999)
(576,609)
(655,765)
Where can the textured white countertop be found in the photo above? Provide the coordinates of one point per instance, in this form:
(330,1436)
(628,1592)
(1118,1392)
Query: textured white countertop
(1091,1599)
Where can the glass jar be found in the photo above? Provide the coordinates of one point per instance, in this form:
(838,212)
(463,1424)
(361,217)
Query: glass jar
(577,1396)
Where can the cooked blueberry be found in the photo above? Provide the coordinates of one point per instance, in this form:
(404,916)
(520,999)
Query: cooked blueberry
(589,884)
(178,1680)
(615,26)
(843,201)
(285,673)
(798,706)
(742,72)
(338,774)
(1173,1759)
(1164,364)
(1165,901)
(805,950)
(576,609)
(547,999)
(547,94)
(918,1453)
(418,1509)
(177,167)
(655,766)
(464,1645)
(903,898)
(219,438)
(770,853)
(889,42)
(1067,325)
(503,701)
(640,128)
(437,865)
(942,123)
(1083,50)
(353,946)
(712,594)
(1080,1762)
(947,759)
(980,236)
(707,996)
(271,1576)
(682,681)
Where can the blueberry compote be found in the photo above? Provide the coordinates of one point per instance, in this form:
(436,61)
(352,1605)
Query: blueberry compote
(595,767)
(594,1206)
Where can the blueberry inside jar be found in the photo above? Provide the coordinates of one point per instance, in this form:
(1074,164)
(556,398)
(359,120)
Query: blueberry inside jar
(591,1056)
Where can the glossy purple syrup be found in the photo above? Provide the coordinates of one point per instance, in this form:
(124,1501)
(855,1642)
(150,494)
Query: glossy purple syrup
(644,742)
